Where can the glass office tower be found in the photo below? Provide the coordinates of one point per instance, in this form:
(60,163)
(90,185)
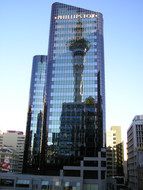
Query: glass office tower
(35,114)
(66,128)
(75,72)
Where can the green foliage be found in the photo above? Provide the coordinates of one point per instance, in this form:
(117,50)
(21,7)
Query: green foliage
(81,43)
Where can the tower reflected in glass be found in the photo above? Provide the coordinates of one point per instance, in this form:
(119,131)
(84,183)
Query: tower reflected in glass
(73,114)
(75,74)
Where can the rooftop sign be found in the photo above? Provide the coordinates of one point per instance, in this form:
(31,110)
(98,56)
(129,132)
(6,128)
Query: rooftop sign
(63,17)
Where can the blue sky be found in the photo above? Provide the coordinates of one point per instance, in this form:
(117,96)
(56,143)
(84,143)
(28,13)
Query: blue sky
(24,31)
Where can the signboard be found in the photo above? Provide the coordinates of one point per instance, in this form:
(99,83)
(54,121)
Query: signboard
(77,16)
(6,165)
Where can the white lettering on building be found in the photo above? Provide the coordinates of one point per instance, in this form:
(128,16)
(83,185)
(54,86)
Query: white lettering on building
(63,17)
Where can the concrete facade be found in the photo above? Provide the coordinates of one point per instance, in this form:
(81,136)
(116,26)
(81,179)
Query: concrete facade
(15,141)
(83,177)
(115,155)
(134,151)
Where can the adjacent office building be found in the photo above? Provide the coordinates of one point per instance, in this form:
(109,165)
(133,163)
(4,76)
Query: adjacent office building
(115,155)
(69,127)
(12,144)
(35,114)
(114,136)
(135,153)
(9,160)
(140,170)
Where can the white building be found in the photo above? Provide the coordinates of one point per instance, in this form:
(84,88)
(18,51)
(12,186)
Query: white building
(134,150)
(14,140)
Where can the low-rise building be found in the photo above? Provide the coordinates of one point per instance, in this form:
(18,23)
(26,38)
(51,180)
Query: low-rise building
(8,160)
(115,155)
(116,183)
(91,174)
(14,140)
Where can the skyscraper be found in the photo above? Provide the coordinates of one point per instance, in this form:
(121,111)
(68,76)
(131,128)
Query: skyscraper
(35,111)
(75,63)
(73,116)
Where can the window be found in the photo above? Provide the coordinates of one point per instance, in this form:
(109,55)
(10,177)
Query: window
(103,154)
(91,187)
(75,173)
(22,183)
(88,174)
(91,163)
(7,182)
(102,174)
(103,163)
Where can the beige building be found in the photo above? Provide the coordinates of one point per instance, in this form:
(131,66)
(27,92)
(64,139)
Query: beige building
(14,140)
(115,155)
(114,136)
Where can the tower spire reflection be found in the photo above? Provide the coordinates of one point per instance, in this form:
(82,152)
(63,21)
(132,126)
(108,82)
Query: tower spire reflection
(79,47)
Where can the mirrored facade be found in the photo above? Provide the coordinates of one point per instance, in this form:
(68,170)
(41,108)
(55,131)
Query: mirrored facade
(35,113)
(69,122)
(75,72)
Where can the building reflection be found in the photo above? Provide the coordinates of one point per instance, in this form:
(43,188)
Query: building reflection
(78,129)
(35,116)
(67,126)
